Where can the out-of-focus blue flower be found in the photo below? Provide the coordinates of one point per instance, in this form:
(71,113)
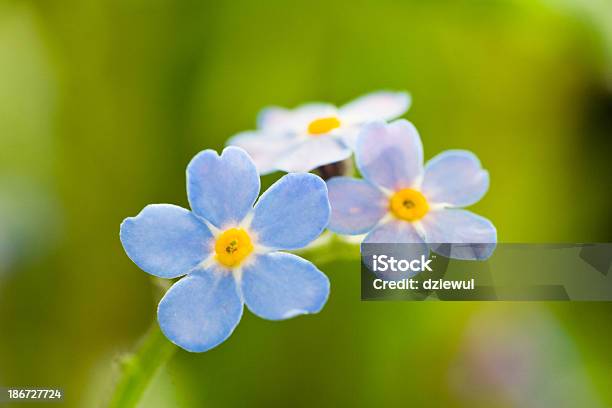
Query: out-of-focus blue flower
(507,356)
(401,201)
(228,248)
(315,134)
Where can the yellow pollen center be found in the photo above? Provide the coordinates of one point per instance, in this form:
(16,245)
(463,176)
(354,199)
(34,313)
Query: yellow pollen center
(408,205)
(323,125)
(233,246)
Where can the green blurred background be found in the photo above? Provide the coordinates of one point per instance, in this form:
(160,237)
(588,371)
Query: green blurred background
(103,103)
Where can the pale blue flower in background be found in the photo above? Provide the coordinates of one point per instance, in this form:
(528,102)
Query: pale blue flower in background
(228,247)
(401,201)
(508,355)
(315,134)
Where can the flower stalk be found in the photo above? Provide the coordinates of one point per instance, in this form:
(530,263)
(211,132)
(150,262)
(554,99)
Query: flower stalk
(139,368)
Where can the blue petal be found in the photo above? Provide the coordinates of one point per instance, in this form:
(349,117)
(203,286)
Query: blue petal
(275,118)
(356,206)
(201,310)
(312,153)
(390,156)
(222,189)
(381,105)
(165,240)
(476,234)
(395,232)
(296,120)
(292,213)
(455,177)
(264,148)
(280,286)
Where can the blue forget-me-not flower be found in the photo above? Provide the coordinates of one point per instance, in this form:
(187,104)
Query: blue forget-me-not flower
(228,248)
(315,134)
(400,200)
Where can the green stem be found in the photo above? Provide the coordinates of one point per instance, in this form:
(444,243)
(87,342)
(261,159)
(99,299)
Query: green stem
(140,368)
(333,250)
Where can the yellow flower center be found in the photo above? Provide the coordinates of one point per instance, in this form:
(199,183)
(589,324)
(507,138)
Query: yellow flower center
(233,246)
(323,125)
(408,205)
